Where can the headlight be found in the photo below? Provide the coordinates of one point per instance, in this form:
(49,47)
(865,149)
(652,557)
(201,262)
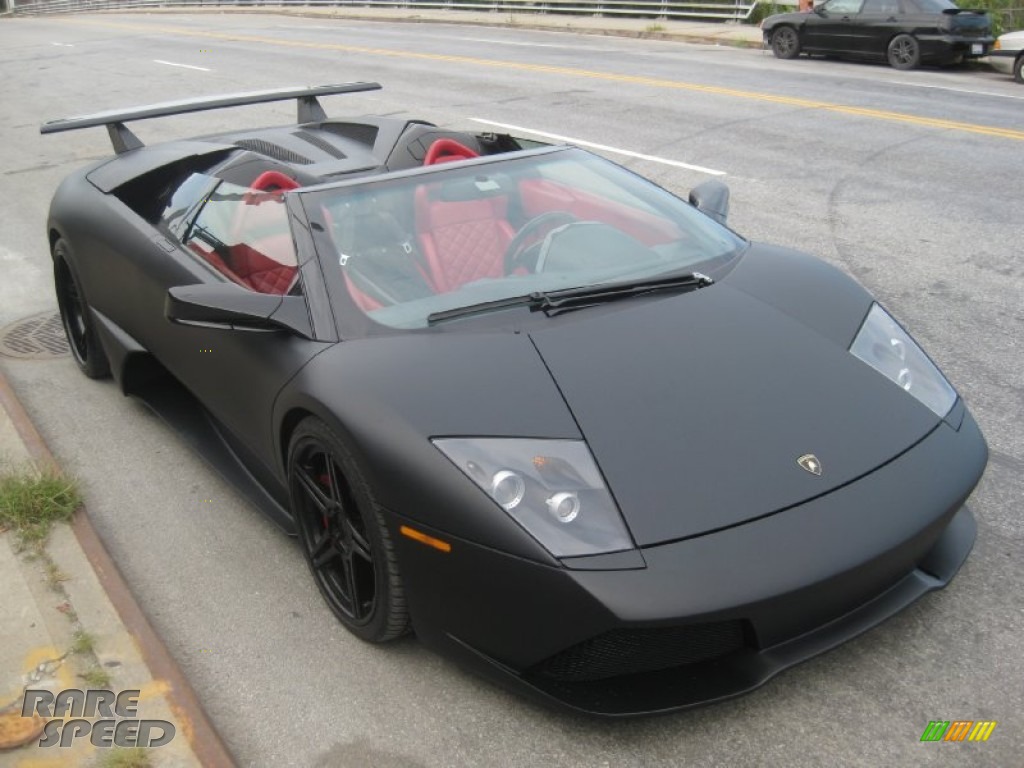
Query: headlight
(887,348)
(550,487)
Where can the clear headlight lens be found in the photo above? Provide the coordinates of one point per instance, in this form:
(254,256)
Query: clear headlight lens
(887,348)
(550,487)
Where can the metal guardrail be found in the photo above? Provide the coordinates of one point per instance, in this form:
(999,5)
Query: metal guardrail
(726,10)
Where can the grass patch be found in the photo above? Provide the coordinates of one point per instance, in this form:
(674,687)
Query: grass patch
(55,577)
(83,643)
(32,501)
(97,677)
(133,757)
(650,29)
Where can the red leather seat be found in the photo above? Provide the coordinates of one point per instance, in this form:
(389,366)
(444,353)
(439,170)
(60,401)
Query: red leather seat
(462,240)
(446,151)
(264,259)
(260,272)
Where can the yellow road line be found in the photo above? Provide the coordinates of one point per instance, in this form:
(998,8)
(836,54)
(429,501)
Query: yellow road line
(652,82)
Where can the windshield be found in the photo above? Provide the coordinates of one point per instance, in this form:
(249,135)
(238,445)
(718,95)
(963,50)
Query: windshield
(412,246)
(930,6)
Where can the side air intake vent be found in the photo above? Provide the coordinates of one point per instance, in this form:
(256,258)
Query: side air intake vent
(320,143)
(360,132)
(269,149)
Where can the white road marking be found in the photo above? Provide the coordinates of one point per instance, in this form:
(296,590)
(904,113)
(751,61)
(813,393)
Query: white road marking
(183,66)
(602,147)
(63,45)
(959,90)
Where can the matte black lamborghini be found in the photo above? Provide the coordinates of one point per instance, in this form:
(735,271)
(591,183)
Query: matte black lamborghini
(568,428)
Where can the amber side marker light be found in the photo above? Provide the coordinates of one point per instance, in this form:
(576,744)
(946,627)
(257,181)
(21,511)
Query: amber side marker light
(423,538)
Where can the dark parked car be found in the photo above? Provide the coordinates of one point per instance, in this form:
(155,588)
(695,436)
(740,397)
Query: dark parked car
(903,32)
(567,427)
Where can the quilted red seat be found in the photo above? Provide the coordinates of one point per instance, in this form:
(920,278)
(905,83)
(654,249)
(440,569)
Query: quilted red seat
(259,266)
(463,240)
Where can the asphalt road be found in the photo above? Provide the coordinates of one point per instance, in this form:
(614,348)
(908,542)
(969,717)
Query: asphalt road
(909,181)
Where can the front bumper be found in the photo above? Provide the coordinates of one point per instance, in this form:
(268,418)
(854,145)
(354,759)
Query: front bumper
(1002,61)
(712,616)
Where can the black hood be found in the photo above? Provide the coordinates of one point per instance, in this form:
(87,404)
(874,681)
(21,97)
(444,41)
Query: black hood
(697,406)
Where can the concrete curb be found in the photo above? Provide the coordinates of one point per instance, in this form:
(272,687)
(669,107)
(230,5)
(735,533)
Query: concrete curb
(206,743)
(730,34)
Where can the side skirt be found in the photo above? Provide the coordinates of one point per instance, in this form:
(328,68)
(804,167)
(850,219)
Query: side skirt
(177,408)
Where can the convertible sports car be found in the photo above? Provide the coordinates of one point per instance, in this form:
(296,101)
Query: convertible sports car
(903,32)
(567,427)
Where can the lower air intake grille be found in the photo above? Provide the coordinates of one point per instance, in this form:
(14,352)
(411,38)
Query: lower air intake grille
(631,651)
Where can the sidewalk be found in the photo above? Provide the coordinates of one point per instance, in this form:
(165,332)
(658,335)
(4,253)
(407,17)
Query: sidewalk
(717,33)
(69,621)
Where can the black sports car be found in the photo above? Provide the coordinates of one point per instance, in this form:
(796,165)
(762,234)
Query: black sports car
(569,428)
(903,32)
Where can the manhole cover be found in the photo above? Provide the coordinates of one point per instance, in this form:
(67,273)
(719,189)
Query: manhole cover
(35,338)
(16,730)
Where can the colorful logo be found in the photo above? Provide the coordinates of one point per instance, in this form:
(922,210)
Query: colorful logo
(959,730)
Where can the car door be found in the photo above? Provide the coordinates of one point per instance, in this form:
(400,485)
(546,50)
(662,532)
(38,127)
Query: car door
(833,27)
(238,236)
(880,21)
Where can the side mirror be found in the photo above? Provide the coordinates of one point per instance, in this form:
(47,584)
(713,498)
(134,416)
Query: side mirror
(711,198)
(230,306)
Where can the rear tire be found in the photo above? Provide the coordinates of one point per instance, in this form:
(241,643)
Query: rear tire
(76,316)
(785,43)
(1018,69)
(904,52)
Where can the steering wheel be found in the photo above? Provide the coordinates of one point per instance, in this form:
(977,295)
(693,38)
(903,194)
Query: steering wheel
(521,245)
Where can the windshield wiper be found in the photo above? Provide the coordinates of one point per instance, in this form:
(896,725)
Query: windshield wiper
(554,302)
(475,309)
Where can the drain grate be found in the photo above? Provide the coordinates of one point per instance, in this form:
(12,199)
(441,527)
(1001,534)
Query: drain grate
(39,337)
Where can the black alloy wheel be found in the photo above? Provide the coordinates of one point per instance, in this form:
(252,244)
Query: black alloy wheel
(904,52)
(785,43)
(343,535)
(74,314)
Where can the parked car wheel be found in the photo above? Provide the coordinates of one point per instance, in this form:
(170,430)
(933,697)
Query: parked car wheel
(786,43)
(85,346)
(904,52)
(1018,69)
(343,535)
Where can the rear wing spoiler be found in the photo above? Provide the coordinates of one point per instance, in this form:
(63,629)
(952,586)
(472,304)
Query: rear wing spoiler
(309,110)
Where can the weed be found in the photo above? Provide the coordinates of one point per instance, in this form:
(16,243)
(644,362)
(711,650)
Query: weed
(97,677)
(83,643)
(31,501)
(134,757)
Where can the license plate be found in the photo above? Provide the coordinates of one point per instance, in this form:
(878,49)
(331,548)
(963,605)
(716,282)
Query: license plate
(977,49)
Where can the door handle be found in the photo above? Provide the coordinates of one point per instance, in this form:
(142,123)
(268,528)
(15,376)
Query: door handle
(165,245)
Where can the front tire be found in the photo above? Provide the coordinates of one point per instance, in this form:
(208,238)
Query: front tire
(785,43)
(904,52)
(1018,69)
(344,536)
(75,315)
